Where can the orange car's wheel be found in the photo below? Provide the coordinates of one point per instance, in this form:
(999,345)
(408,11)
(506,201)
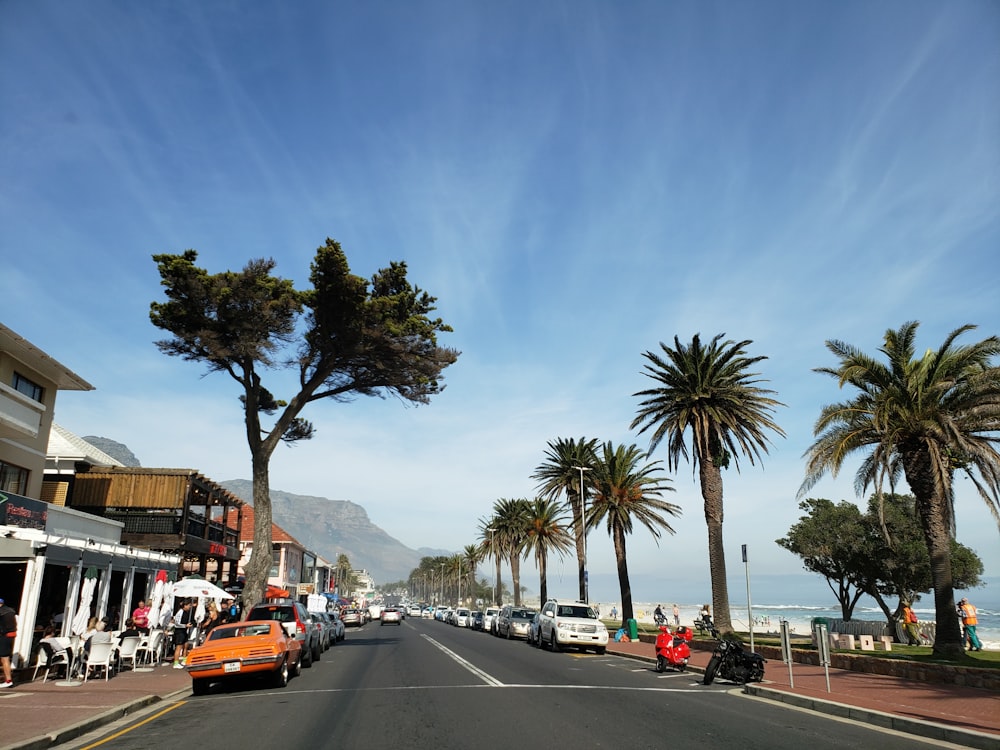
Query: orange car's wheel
(280,678)
(199,687)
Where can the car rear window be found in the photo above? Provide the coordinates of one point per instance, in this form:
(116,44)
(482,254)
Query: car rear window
(272,612)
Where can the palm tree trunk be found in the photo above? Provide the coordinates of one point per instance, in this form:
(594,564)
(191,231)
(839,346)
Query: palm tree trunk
(515,573)
(711,492)
(579,531)
(498,588)
(934,512)
(543,584)
(623,582)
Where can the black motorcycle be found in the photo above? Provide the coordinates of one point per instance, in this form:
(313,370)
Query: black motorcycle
(730,662)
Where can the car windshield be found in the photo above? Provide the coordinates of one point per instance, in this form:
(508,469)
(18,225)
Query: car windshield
(576,610)
(242,631)
(522,614)
(281,614)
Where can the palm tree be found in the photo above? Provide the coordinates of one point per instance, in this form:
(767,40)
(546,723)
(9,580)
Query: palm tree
(471,556)
(490,545)
(710,391)
(546,532)
(560,473)
(509,521)
(922,417)
(624,491)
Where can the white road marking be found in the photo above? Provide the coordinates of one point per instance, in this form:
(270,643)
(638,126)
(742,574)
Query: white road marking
(487,678)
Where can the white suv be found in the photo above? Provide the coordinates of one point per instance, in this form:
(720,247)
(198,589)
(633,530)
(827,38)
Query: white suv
(571,623)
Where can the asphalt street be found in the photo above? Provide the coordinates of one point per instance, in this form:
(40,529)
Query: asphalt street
(427,684)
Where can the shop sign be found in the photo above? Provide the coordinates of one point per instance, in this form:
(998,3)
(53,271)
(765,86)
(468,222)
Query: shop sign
(22,512)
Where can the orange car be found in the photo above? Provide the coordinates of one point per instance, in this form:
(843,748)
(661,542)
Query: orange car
(256,647)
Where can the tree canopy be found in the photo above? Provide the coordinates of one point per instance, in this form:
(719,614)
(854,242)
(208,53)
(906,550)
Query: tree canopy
(342,336)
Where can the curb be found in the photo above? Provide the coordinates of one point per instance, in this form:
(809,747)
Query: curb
(65,734)
(919,727)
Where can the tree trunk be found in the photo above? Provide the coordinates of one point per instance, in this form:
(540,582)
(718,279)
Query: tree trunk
(711,492)
(580,532)
(258,568)
(515,573)
(543,584)
(934,512)
(498,585)
(623,581)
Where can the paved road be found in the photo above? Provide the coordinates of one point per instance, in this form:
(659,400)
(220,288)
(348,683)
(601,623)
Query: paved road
(428,684)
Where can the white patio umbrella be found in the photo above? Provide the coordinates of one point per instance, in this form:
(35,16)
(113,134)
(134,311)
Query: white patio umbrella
(82,616)
(190,588)
(156,599)
(162,617)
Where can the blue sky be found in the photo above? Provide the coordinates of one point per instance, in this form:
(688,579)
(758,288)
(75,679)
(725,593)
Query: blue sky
(575,182)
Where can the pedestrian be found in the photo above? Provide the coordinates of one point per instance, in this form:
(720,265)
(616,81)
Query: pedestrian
(182,621)
(677,616)
(8,631)
(970,620)
(910,625)
(614,613)
(140,616)
(210,620)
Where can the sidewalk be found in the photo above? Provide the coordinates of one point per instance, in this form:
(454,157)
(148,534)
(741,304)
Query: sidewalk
(962,715)
(37,715)
(40,715)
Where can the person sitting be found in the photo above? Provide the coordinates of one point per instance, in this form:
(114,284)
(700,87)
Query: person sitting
(56,648)
(131,630)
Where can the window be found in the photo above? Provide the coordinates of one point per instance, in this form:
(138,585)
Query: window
(13,479)
(29,388)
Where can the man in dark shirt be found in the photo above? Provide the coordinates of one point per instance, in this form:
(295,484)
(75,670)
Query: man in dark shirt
(8,630)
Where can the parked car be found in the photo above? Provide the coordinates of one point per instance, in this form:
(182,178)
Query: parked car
(532,637)
(571,623)
(427,613)
(414,611)
(490,619)
(267,649)
(476,620)
(353,617)
(326,629)
(339,631)
(391,615)
(461,617)
(512,622)
(287,610)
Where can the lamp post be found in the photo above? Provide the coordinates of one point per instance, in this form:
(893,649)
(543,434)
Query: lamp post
(583,517)
(442,583)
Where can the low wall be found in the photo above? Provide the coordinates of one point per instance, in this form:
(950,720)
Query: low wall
(943,674)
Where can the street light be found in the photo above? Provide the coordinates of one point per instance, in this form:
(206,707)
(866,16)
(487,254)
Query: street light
(583,516)
(442,583)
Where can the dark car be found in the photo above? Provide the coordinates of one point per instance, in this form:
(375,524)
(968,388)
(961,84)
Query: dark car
(306,631)
(478,620)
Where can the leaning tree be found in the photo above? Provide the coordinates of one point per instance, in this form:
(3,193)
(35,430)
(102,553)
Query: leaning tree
(343,337)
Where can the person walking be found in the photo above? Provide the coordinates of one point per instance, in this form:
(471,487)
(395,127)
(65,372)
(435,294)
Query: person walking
(8,631)
(969,621)
(677,616)
(910,625)
(182,621)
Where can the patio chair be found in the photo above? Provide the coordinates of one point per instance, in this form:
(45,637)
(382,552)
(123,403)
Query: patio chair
(127,651)
(101,655)
(50,660)
(151,648)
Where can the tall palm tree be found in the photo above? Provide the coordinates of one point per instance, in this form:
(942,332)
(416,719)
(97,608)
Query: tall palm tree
(922,417)
(546,532)
(624,491)
(560,473)
(471,557)
(491,545)
(710,391)
(509,521)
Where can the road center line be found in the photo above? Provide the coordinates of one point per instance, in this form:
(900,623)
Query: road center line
(488,679)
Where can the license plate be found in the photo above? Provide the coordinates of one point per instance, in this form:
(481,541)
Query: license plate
(231,666)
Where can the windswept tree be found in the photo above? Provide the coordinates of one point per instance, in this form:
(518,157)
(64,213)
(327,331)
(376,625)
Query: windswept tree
(545,533)
(491,546)
(560,473)
(626,491)
(342,337)
(710,392)
(921,418)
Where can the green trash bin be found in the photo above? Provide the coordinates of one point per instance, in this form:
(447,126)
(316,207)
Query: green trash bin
(633,628)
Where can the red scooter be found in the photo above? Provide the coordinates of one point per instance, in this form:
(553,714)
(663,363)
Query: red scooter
(672,649)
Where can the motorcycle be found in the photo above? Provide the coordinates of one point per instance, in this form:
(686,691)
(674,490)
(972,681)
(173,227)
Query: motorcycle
(672,649)
(730,662)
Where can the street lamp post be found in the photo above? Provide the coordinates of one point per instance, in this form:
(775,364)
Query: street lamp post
(442,583)
(583,516)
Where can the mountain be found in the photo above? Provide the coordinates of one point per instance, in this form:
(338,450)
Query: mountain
(334,527)
(114,449)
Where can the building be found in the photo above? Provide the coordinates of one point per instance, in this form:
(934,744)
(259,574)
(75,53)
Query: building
(47,551)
